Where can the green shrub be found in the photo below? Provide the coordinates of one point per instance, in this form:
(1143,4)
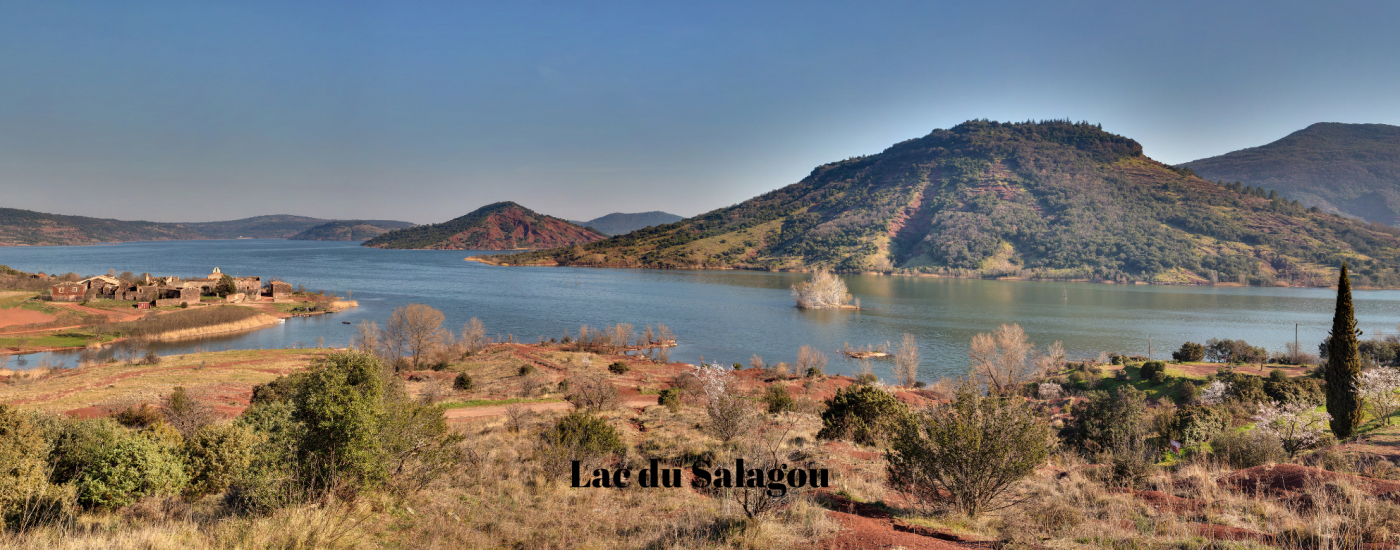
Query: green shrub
(1152,369)
(1186,391)
(618,368)
(1248,449)
(1196,424)
(1159,377)
(1245,388)
(24,484)
(215,454)
(867,379)
(280,389)
(586,434)
(777,399)
(526,370)
(127,467)
(1301,389)
(970,453)
(863,413)
(670,398)
(564,385)
(340,407)
(1107,420)
(1190,352)
(463,382)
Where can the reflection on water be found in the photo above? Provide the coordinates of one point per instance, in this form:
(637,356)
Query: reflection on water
(723,315)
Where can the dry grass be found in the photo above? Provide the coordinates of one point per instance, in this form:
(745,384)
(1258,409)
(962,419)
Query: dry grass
(227,375)
(497,498)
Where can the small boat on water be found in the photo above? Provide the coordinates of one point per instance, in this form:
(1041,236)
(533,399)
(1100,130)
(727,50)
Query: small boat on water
(345,322)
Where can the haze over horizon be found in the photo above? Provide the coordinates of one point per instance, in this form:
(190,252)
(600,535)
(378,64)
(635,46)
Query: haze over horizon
(422,112)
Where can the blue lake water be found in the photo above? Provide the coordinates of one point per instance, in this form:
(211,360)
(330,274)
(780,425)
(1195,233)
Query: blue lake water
(724,315)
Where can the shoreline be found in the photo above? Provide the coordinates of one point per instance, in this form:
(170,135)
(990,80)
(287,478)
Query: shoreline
(482,260)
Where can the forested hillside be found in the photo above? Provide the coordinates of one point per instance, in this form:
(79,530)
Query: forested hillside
(29,228)
(619,223)
(26,227)
(498,226)
(1350,168)
(1046,200)
(349,230)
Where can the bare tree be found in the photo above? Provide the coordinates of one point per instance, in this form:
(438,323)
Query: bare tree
(810,361)
(474,335)
(824,290)
(999,359)
(413,330)
(368,337)
(906,360)
(1052,361)
(756,362)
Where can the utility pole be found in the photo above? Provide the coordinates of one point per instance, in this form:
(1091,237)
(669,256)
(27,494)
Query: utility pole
(1297,351)
(1149,347)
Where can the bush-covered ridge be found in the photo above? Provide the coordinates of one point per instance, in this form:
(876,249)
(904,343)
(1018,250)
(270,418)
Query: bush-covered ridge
(29,228)
(1050,200)
(497,226)
(349,230)
(1351,168)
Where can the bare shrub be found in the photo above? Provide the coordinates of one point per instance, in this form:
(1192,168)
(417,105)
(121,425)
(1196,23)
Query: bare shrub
(518,417)
(185,412)
(530,386)
(811,362)
(592,393)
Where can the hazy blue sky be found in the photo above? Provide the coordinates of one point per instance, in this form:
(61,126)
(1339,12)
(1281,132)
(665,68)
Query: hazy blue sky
(423,111)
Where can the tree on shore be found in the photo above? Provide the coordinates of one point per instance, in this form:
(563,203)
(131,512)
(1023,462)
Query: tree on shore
(824,290)
(1000,359)
(1343,363)
(413,330)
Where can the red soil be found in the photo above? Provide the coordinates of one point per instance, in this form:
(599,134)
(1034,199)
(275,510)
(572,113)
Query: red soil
(17,316)
(1291,480)
(866,526)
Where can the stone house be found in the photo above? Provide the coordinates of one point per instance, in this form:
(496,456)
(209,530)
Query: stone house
(279,290)
(68,292)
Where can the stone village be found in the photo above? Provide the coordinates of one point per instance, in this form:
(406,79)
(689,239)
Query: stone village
(150,291)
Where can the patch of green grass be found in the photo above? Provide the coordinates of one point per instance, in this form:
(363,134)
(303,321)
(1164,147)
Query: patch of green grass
(61,340)
(1166,389)
(495,402)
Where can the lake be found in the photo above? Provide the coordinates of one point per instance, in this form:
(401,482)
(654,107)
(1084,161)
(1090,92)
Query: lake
(724,316)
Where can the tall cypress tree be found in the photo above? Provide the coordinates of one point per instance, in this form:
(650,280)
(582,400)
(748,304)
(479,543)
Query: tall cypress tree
(1343,364)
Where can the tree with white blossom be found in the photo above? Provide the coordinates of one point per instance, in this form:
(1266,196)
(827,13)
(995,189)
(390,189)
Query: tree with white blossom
(1378,389)
(1297,425)
(730,412)
(1215,393)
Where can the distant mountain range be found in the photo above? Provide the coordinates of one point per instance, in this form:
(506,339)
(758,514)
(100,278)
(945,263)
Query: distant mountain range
(29,228)
(1047,200)
(349,230)
(618,223)
(499,226)
(1348,168)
